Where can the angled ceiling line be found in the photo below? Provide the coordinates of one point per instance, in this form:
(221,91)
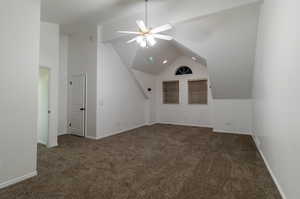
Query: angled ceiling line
(188,18)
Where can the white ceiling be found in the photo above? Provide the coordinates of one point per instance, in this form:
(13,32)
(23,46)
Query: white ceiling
(221,31)
(150,60)
(164,50)
(89,11)
(226,40)
(100,11)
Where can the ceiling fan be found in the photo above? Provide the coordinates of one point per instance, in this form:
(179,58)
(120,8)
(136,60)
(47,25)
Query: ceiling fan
(147,36)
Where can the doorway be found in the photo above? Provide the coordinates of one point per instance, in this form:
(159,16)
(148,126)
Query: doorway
(43,106)
(77,105)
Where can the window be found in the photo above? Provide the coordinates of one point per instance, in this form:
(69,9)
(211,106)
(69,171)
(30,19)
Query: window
(171,92)
(184,70)
(197,92)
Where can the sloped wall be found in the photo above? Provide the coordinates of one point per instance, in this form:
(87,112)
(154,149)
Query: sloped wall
(121,102)
(147,81)
(227,41)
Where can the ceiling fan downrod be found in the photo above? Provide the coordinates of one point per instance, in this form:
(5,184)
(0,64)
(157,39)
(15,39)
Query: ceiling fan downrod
(146,36)
(146,13)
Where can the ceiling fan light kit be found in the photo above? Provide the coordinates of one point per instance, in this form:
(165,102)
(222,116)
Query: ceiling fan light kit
(146,37)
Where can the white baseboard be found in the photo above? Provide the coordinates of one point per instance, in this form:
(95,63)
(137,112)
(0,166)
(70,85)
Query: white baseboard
(17,180)
(151,123)
(185,124)
(257,142)
(53,144)
(47,145)
(232,132)
(42,142)
(92,138)
(116,133)
(62,133)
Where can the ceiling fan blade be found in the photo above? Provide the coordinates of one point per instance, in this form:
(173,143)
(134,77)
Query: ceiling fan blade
(142,26)
(129,32)
(163,37)
(132,40)
(151,40)
(161,28)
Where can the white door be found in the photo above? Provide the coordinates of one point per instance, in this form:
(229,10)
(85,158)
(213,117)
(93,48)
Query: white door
(77,86)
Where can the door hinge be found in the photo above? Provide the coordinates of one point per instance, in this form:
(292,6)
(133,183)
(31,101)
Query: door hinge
(70,124)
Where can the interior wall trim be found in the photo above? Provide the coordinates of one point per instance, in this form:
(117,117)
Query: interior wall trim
(18,179)
(63,133)
(257,143)
(232,132)
(42,142)
(118,132)
(185,124)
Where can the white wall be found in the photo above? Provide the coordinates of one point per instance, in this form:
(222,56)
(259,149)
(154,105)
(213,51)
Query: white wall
(82,58)
(49,57)
(276,92)
(199,115)
(232,116)
(227,41)
(63,85)
(146,81)
(19,71)
(121,102)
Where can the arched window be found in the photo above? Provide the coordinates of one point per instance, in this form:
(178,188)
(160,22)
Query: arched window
(184,70)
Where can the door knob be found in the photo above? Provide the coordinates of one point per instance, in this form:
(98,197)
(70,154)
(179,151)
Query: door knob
(82,109)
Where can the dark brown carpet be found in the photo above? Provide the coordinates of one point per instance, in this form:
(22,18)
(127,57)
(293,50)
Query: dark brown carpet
(157,162)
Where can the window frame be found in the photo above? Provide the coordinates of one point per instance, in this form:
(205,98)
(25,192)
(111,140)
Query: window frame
(163,92)
(207,91)
(180,75)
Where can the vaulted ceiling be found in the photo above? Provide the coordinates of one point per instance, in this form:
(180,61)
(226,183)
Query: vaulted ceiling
(101,11)
(151,60)
(90,11)
(224,41)
(220,33)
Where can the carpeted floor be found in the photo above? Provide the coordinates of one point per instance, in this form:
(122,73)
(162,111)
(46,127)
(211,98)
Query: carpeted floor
(156,162)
